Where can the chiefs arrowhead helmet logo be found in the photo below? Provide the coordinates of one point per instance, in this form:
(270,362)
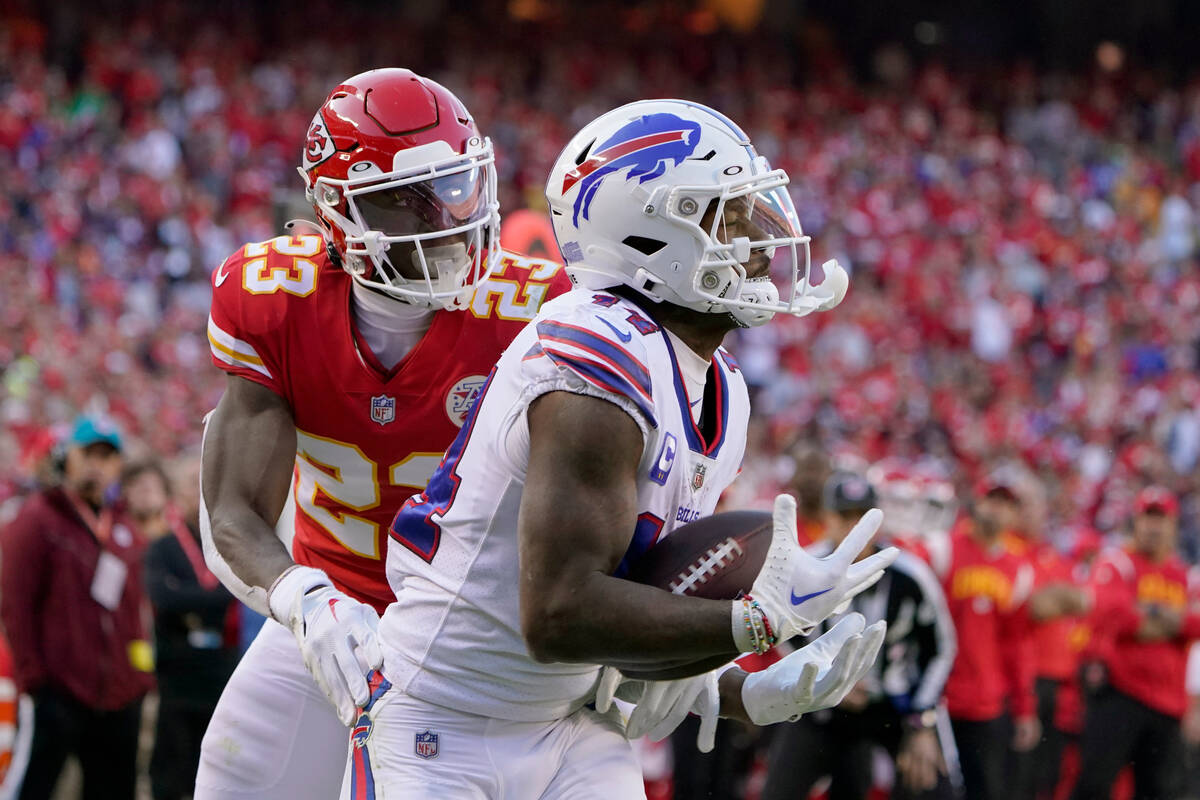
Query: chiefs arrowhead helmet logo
(318,146)
(316,142)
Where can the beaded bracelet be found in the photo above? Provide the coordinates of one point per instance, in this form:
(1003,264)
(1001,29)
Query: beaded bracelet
(751,628)
(761,635)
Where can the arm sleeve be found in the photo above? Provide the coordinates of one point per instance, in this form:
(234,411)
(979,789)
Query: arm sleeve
(1191,625)
(1191,618)
(602,357)
(934,630)
(22,578)
(173,592)
(1019,653)
(242,327)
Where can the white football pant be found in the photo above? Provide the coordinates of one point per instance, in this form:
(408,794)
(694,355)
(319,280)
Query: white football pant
(274,734)
(402,748)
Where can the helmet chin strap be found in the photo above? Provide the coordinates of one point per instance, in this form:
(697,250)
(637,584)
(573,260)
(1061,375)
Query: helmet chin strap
(444,263)
(760,291)
(444,260)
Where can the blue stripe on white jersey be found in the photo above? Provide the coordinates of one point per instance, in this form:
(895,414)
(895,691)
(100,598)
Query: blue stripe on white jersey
(599,347)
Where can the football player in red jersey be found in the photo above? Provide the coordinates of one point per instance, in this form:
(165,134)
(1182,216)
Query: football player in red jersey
(353,353)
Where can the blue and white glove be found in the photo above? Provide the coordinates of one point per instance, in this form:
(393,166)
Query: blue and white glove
(336,634)
(662,705)
(817,676)
(797,591)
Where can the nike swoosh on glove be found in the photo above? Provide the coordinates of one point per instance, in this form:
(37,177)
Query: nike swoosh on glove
(814,677)
(662,705)
(796,590)
(336,634)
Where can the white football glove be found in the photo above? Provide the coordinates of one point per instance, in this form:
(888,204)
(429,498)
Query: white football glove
(814,677)
(336,634)
(662,705)
(796,590)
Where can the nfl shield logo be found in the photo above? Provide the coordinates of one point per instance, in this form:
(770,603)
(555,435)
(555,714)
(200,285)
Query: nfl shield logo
(383,409)
(427,744)
(698,476)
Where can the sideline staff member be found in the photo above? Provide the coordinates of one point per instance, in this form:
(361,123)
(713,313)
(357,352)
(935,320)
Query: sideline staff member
(71,599)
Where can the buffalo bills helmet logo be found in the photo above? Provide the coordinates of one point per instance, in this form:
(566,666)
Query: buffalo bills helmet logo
(645,145)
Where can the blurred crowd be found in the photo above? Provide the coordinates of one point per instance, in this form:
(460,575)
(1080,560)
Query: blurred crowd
(1022,243)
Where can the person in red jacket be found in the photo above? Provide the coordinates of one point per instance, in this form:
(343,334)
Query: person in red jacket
(1055,609)
(1145,614)
(989,694)
(72,603)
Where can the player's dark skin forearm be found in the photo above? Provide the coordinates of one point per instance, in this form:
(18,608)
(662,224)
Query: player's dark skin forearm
(730,687)
(249,453)
(578,512)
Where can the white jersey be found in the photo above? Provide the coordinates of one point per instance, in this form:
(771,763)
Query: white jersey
(453,636)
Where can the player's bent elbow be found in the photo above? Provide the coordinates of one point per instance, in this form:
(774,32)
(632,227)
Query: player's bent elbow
(542,648)
(545,645)
(547,634)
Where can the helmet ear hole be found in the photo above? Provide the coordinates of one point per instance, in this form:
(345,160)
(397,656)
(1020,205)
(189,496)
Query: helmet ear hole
(583,154)
(644,244)
(333,253)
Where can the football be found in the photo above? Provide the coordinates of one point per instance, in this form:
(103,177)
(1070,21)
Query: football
(716,557)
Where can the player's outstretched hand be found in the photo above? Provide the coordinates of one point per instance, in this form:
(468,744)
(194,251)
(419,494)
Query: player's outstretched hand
(814,677)
(336,634)
(796,590)
(662,705)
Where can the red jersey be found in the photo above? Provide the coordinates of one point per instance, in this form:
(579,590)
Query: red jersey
(1055,658)
(986,589)
(366,437)
(1127,585)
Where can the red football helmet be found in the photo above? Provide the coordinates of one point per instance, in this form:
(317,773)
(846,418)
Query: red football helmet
(404,186)
(917,498)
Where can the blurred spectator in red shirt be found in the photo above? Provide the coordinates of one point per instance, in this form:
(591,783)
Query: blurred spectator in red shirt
(72,603)
(990,692)
(1146,614)
(1056,609)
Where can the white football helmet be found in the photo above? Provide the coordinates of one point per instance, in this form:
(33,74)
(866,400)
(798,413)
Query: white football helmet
(670,198)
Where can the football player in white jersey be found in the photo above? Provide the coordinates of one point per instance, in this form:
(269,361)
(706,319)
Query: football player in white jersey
(612,419)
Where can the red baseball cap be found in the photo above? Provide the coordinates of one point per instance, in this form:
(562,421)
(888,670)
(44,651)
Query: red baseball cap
(998,482)
(1156,499)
